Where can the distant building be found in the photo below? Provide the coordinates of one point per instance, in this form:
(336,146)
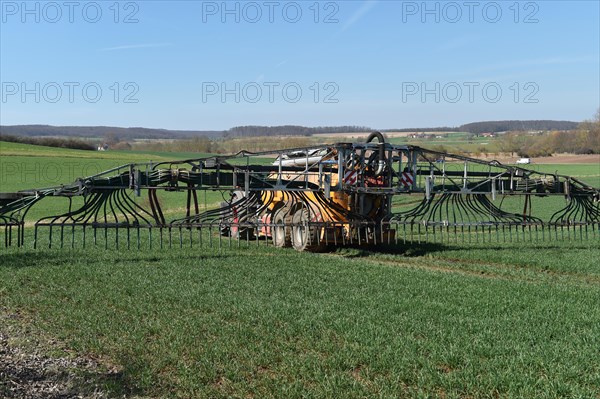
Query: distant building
(103,147)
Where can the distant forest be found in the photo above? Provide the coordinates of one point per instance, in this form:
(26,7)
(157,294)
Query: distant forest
(516,126)
(73,143)
(125,133)
(423,129)
(290,130)
(132,133)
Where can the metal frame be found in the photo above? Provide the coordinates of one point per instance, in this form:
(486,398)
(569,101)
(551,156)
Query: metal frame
(459,197)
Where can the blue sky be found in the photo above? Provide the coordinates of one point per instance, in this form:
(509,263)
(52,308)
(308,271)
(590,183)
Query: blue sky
(197,65)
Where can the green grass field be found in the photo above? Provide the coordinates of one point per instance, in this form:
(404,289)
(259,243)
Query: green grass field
(452,142)
(510,320)
(514,321)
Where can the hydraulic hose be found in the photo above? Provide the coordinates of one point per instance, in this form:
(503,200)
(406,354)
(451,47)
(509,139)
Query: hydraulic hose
(381,140)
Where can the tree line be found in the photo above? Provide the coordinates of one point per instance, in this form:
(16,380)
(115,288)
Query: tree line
(584,139)
(230,146)
(123,133)
(72,143)
(132,133)
(507,126)
(290,130)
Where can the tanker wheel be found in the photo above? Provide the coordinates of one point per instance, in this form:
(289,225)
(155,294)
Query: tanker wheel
(280,232)
(305,238)
(235,230)
(224,228)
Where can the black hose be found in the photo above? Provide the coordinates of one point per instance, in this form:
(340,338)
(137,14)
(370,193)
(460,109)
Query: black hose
(379,136)
(381,140)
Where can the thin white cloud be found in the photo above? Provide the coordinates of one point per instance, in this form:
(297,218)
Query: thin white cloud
(261,77)
(552,61)
(281,63)
(525,76)
(536,62)
(359,13)
(457,43)
(135,46)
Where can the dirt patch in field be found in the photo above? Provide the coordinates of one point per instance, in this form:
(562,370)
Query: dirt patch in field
(33,366)
(569,158)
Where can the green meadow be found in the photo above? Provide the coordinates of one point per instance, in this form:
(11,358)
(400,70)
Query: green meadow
(513,319)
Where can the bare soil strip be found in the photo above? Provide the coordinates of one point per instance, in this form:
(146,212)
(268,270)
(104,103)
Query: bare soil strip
(29,371)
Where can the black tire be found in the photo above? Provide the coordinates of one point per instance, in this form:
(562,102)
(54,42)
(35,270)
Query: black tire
(224,227)
(280,231)
(304,238)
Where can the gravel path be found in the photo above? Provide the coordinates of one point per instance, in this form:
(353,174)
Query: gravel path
(27,372)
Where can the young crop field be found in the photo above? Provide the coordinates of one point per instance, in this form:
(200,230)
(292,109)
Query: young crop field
(514,319)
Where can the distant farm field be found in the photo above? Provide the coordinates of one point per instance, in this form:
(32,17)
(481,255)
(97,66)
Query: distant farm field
(481,320)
